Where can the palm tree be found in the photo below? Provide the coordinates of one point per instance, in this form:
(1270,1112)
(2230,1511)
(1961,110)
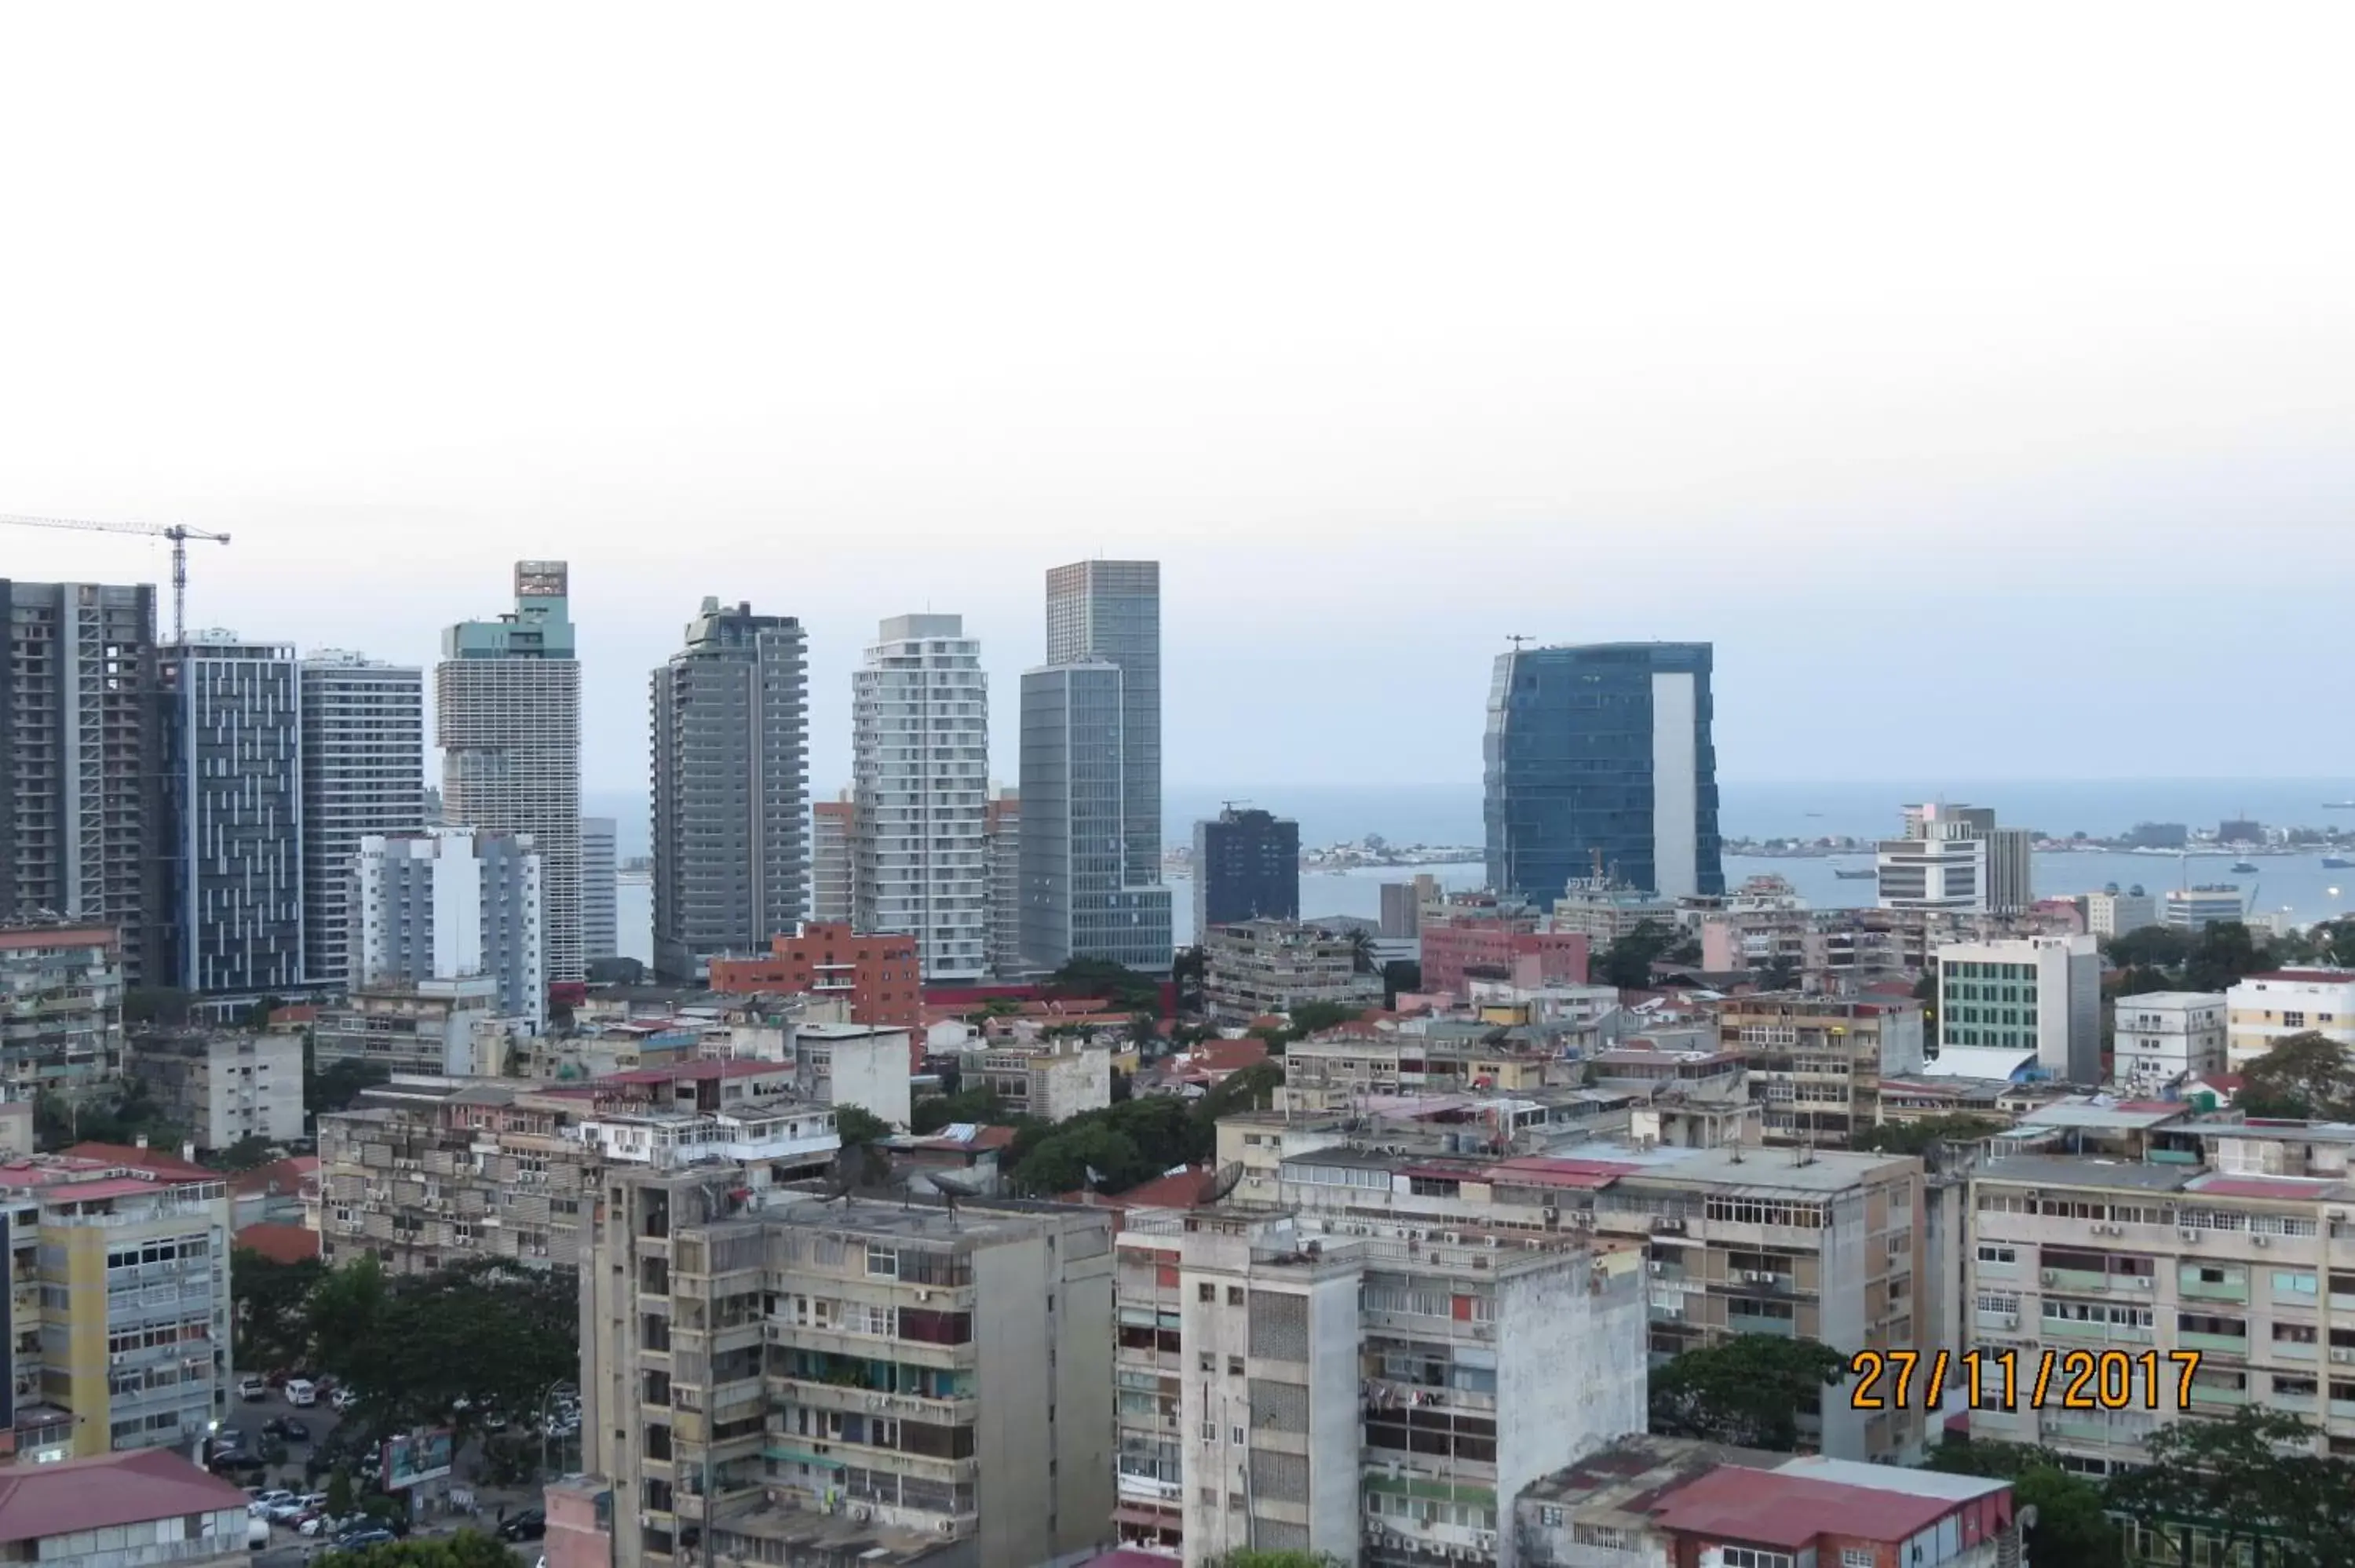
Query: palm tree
(1361,951)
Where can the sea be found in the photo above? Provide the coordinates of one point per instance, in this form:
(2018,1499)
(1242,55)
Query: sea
(2294,889)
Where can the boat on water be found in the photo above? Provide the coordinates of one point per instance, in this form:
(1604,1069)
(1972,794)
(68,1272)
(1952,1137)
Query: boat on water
(2338,863)
(2244,868)
(1856,876)
(2339,805)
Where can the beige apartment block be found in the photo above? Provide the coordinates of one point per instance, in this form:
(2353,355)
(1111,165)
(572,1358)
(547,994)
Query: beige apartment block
(774,1378)
(1257,966)
(1815,1063)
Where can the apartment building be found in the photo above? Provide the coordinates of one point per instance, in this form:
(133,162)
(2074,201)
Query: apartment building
(920,743)
(1002,831)
(61,1005)
(1300,1383)
(830,840)
(2263,1009)
(82,831)
(506,714)
(768,1377)
(1342,1069)
(2198,907)
(2025,993)
(2238,1258)
(1662,1502)
(427,1172)
(1257,966)
(363,767)
(119,1304)
(876,973)
(431,1026)
(452,904)
(601,889)
(1458,954)
(856,1065)
(2111,913)
(2163,1037)
(1050,1080)
(232,749)
(1819,1245)
(1603,911)
(225,1088)
(1246,867)
(1815,1063)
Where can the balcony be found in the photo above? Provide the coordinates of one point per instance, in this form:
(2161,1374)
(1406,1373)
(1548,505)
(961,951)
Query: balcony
(2234,1345)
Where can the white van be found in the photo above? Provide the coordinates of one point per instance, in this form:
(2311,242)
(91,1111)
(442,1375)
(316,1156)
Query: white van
(301,1393)
(257,1533)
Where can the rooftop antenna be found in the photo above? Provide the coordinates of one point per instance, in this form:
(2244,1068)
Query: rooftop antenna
(1517,640)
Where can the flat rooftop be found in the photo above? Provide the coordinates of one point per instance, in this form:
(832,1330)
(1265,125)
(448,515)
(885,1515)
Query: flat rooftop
(2061,1170)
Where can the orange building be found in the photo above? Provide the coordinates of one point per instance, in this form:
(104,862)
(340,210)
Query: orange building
(875,973)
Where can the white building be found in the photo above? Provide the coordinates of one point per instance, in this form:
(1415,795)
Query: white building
(2162,1037)
(2112,914)
(225,1088)
(2264,1009)
(2197,909)
(449,905)
(830,877)
(2025,993)
(600,885)
(919,742)
(363,772)
(854,1064)
(1955,858)
(506,714)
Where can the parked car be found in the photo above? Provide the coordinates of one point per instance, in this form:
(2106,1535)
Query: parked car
(263,1500)
(287,1427)
(302,1392)
(249,1389)
(361,1540)
(343,1399)
(225,1438)
(531,1524)
(257,1533)
(292,1511)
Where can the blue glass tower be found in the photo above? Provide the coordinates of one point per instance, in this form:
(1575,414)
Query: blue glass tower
(1598,759)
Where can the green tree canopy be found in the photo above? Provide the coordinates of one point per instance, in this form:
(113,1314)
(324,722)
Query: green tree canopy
(1915,1137)
(2149,947)
(856,1124)
(247,1153)
(2249,1476)
(496,1335)
(1125,988)
(2072,1524)
(1749,1390)
(1315,1017)
(467,1549)
(272,1308)
(1628,962)
(2307,1074)
(335,1087)
(980,1106)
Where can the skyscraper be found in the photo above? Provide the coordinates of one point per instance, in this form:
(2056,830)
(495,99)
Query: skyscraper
(920,743)
(1090,788)
(600,890)
(1598,763)
(731,762)
(82,821)
(1002,825)
(363,772)
(1246,867)
(506,714)
(832,830)
(451,904)
(232,740)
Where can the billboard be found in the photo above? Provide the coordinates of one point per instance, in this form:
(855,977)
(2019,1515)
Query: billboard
(420,1456)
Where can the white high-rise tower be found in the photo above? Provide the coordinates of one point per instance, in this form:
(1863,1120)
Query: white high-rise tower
(919,740)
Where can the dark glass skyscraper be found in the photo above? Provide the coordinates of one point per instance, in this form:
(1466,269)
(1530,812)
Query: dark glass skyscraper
(1598,760)
(1246,867)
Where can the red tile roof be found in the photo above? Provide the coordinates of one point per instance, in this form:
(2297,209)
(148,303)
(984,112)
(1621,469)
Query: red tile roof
(985,1137)
(1180,1190)
(280,1243)
(280,1176)
(2316,977)
(168,1165)
(107,1491)
(2257,1187)
(1770,1508)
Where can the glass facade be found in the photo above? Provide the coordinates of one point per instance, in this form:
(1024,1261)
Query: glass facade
(1590,769)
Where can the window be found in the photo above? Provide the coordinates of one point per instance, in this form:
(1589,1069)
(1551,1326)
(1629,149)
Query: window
(1856,1557)
(1751,1557)
(2003,1256)
(1209,1431)
(1235,1436)
(1206,1293)
(1234,1295)
(1234,1366)
(1550,1517)
(1206,1362)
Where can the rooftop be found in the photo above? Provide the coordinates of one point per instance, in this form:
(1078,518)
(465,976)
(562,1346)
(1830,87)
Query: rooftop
(1979,1062)
(280,1243)
(2304,977)
(708,1069)
(1791,1508)
(107,1491)
(2174,999)
(2101,1112)
(156,1162)
(2060,1171)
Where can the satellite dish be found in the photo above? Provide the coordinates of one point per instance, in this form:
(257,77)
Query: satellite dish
(959,1183)
(1215,1191)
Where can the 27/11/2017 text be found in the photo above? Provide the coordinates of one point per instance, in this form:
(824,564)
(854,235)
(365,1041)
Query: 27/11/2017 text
(2079,1380)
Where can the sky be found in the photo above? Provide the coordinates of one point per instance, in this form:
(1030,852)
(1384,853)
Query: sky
(1980,383)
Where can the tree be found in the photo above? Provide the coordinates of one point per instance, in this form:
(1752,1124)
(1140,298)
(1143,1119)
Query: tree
(2222,954)
(1062,1162)
(163,1006)
(2308,1075)
(858,1125)
(247,1153)
(339,1493)
(979,1105)
(1144,1029)
(1188,972)
(493,1333)
(256,1018)
(1400,975)
(1363,957)
(467,1549)
(2247,1476)
(2149,947)
(1254,1088)
(1628,962)
(272,1306)
(1748,1392)
(1315,1017)
(1916,1137)
(334,1088)
(1781,973)
(2073,1525)
(1123,987)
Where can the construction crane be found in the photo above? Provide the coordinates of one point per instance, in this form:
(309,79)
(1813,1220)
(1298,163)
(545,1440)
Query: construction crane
(177,533)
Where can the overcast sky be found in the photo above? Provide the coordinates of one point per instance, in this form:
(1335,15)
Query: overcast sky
(1978,380)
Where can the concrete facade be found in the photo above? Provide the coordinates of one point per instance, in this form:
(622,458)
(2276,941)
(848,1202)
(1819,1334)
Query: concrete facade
(434,1026)
(2159,1038)
(1957,859)
(831,833)
(2264,1009)
(1272,966)
(600,889)
(856,1064)
(363,775)
(1002,826)
(1815,1063)
(2025,993)
(452,904)
(877,974)
(731,757)
(225,1088)
(61,1006)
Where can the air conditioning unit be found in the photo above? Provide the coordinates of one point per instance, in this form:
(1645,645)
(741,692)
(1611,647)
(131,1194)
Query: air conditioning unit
(2187,1233)
(2046,1276)
(2142,1281)
(2012,1319)
(2342,1354)
(859,1515)
(948,1527)
(2260,1241)
(1659,1268)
